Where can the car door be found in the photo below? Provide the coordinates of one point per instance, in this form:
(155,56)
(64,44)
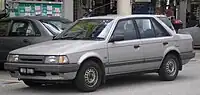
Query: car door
(126,53)
(152,46)
(22,33)
(4,28)
(163,35)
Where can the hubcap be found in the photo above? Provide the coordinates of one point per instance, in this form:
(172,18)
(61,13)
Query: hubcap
(171,67)
(91,76)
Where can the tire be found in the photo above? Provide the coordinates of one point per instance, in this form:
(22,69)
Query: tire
(89,76)
(169,68)
(32,83)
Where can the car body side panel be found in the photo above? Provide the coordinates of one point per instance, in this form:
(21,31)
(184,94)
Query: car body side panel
(152,52)
(124,57)
(80,57)
(99,51)
(184,42)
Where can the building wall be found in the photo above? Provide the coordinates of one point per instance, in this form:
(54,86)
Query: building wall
(182,11)
(1,5)
(68,9)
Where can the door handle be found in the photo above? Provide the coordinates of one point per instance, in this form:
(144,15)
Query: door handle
(136,46)
(165,43)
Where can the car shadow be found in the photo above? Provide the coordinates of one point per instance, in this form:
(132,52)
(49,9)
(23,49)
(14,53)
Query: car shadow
(116,82)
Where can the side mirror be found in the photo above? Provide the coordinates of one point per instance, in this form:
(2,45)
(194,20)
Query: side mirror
(117,38)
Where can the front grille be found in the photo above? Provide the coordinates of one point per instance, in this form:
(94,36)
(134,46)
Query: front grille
(31,59)
(37,73)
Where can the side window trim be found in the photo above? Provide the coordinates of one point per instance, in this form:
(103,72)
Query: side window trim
(136,28)
(132,19)
(35,29)
(10,27)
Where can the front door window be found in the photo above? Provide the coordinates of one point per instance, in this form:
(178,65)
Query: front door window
(126,29)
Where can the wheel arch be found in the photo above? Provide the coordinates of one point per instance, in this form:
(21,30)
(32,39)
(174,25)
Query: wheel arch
(175,52)
(94,57)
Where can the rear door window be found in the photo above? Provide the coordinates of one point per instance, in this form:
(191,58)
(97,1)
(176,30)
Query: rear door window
(145,28)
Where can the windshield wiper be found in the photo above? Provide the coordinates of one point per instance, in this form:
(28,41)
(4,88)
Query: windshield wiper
(74,38)
(65,38)
(98,38)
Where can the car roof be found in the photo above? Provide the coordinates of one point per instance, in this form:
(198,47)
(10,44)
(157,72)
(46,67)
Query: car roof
(38,18)
(120,16)
(161,16)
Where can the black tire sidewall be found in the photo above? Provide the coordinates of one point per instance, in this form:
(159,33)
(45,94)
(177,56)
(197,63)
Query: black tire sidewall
(163,73)
(80,81)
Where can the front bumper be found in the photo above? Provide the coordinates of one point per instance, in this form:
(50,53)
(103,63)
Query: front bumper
(43,71)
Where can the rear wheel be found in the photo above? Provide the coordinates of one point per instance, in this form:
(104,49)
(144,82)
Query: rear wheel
(169,68)
(89,76)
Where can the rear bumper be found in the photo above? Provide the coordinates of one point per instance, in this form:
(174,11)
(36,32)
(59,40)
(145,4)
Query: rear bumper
(186,56)
(44,71)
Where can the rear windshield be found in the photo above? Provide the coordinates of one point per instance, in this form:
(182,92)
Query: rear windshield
(56,27)
(167,22)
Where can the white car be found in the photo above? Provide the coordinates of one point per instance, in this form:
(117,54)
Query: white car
(97,47)
(194,32)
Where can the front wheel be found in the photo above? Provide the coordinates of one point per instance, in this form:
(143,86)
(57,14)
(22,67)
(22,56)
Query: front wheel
(169,68)
(89,76)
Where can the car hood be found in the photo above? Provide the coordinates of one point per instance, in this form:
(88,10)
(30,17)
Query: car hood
(59,47)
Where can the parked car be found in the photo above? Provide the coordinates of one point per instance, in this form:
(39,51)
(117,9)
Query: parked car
(97,47)
(17,32)
(194,32)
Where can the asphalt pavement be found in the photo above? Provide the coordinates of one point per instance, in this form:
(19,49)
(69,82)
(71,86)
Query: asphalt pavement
(187,83)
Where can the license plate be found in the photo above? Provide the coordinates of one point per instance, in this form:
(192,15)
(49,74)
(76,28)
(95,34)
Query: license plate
(26,70)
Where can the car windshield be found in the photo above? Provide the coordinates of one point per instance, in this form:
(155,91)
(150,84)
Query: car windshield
(52,28)
(87,29)
(55,27)
(167,22)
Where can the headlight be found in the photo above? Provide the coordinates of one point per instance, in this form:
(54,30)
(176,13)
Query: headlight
(13,58)
(56,59)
